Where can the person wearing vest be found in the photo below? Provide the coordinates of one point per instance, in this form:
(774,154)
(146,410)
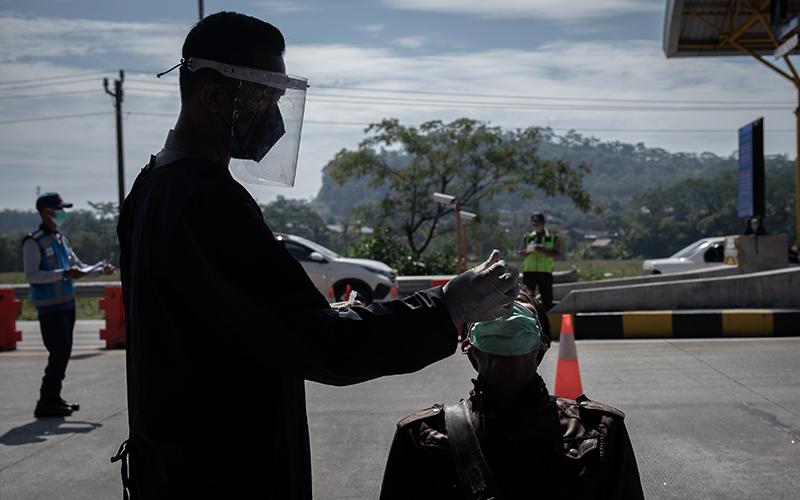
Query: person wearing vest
(50,265)
(538,249)
(510,439)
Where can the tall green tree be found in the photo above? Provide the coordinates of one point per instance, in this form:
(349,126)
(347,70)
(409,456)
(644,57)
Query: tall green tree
(296,217)
(466,158)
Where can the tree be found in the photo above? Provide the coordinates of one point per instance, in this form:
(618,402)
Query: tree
(10,253)
(658,222)
(465,158)
(93,233)
(296,217)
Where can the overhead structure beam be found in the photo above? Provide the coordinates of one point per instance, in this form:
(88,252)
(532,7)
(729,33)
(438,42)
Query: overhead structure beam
(731,40)
(725,28)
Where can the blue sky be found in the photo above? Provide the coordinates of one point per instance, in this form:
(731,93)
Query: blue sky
(542,61)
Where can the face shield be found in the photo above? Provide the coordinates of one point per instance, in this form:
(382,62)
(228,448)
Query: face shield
(266,122)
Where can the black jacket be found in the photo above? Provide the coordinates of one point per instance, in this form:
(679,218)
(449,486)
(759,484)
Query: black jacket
(553,448)
(223,326)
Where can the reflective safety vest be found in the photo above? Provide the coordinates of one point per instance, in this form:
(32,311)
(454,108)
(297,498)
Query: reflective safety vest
(537,262)
(55,255)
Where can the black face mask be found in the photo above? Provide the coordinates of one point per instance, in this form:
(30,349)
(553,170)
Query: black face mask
(254,133)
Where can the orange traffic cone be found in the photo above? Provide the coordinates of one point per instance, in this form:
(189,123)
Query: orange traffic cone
(568,374)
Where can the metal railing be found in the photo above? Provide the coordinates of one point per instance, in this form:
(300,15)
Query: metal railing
(406,285)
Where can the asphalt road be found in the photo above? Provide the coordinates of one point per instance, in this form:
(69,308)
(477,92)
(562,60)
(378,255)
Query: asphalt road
(708,418)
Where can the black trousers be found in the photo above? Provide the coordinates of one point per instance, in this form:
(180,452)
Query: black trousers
(542,281)
(57,330)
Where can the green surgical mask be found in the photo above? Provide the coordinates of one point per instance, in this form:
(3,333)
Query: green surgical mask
(60,217)
(518,334)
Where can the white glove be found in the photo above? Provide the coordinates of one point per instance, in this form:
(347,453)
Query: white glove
(482,293)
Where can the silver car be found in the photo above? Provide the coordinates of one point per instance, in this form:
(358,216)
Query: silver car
(702,253)
(336,276)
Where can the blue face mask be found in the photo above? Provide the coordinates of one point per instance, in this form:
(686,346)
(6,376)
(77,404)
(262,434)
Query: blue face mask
(60,217)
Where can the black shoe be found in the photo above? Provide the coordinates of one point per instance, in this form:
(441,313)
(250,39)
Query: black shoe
(71,406)
(51,409)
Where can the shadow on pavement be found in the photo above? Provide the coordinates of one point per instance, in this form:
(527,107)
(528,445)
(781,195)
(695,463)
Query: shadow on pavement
(38,430)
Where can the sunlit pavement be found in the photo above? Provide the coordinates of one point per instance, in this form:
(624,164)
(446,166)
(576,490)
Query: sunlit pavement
(708,418)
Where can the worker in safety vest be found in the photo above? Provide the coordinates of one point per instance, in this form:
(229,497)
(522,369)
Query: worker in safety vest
(50,265)
(538,250)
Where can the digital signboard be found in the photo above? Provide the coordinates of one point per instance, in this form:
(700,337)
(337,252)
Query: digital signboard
(750,200)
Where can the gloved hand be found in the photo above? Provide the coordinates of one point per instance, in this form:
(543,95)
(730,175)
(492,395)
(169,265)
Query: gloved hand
(482,293)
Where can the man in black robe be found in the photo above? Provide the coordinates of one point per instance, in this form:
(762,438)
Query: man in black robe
(223,326)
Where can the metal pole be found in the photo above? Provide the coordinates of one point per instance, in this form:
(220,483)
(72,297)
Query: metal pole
(464,247)
(458,239)
(120,148)
(200,9)
(797,171)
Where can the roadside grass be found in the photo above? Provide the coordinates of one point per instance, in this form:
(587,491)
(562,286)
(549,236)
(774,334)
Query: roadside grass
(85,307)
(591,270)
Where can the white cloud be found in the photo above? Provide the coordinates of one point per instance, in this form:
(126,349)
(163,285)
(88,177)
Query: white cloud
(412,42)
(277,7)
(77,156)
(372,28)
(40,38)
(538,9)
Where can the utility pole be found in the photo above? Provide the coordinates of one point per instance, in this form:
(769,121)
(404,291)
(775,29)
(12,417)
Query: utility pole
(200,9)
(118,95)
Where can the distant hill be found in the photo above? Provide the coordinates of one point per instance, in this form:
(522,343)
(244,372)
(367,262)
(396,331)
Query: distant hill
(619,171)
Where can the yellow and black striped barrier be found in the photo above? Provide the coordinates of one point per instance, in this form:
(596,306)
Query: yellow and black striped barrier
(718,323)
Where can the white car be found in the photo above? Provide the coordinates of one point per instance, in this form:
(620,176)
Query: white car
(335,276)
(702,253)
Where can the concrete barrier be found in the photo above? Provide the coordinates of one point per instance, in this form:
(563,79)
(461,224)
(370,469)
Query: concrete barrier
(688,324)
(778,288)
(89,289)
(562,290)
(406,285)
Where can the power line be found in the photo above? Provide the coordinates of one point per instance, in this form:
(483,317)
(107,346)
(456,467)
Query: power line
(526,107)
(48,84)
(518,96)
(558,129)
(52,94)
(49,78)
(516,106)
(438,101)
(544,98)
(82,77)
(56,117)
(152,91)
(154,82)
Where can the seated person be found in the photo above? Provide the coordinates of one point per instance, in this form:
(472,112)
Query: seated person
(510,439)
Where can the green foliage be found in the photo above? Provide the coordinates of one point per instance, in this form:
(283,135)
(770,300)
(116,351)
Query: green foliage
(382,246)
(296,217)
(14,222)
(92,234)
(660,221)
(10,253)
(465,158)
